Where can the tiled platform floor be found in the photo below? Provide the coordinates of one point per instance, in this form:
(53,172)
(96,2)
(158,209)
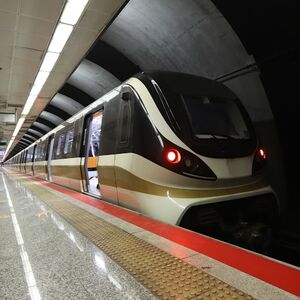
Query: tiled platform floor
(43,257)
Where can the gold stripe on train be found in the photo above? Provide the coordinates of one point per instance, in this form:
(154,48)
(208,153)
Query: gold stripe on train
(129,181)
(68,171)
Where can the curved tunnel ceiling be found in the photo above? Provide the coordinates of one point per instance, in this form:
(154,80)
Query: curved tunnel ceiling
(35,132)
(66,104)
(41,126)
(92,79)
(150,35)
(190,36)
(29,137)
(57,111)
(54,119)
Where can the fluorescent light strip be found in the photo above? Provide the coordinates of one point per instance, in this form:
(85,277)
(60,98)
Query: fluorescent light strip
(41,77)
(49,61)
(18,126)
(60,37)
(70,16)
(35,90)
(73,11)
(29,102)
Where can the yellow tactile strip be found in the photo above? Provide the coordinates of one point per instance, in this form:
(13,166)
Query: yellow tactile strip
(164,275)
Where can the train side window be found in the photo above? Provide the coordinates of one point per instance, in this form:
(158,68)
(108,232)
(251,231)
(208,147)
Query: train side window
(40,152)
(29,155)
(60,143)
(43,152)
(69,141)
(126,118)
(37,150)
(125,123)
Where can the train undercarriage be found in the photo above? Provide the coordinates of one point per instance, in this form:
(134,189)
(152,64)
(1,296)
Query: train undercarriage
(248,223)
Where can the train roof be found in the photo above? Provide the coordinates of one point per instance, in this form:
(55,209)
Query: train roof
(187,84)
(181,83)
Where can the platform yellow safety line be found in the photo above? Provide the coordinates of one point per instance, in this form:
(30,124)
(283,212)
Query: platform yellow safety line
(166,276)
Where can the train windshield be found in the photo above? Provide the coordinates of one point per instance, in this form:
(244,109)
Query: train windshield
(217,118)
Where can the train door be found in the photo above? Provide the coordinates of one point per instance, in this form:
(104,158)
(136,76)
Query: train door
(24,161)
(92,138)
(49,157)
(33,159)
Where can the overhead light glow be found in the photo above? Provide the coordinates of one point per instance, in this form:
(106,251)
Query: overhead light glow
(41,78)
(35,90)
(8,147)
(60,37)
(73,11)
(70,16)
(18,126)
(49,61)
(29,102)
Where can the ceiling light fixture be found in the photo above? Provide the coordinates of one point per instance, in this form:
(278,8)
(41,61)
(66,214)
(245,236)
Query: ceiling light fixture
(41,77)
(72,11)
(60,37)
(49,61)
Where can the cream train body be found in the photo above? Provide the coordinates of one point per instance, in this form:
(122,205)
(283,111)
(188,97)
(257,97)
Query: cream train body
(176,147)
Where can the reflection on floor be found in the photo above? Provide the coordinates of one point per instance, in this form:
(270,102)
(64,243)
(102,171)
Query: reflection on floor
(43,257)
(93,182)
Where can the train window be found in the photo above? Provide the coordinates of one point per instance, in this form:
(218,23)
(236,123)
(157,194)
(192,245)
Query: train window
(212,117)
(60,143)
(41,152)
(37,152)
(69,141)
(29,155)
(125,123)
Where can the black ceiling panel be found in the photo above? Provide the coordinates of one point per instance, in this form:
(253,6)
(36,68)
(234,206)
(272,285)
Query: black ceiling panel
(51,117)
(42,131)
(57,111)
(76,94)
(66,104)
(112,60)
(25,139)
(30,137)
(45,122)
(25,142)
(35,136)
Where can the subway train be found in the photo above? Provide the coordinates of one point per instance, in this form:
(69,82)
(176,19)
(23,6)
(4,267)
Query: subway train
(176,147)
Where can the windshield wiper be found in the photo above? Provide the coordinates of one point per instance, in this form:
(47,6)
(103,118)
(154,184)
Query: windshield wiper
(215,136)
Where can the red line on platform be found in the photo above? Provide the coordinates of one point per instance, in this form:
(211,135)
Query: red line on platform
(273,272)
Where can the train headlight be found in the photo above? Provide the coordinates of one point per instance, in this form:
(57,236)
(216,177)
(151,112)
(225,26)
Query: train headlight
(183,162)
(173,156)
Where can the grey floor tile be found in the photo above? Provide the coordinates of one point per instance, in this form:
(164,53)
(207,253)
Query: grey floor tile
(63,264)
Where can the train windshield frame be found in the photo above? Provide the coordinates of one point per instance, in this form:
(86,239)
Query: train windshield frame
(215,117)
(171,91)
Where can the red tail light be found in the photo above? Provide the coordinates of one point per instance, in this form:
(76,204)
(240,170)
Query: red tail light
(259,161)
(262,153)
(173,156)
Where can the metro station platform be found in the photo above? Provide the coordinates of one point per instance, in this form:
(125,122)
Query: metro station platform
(59,244)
